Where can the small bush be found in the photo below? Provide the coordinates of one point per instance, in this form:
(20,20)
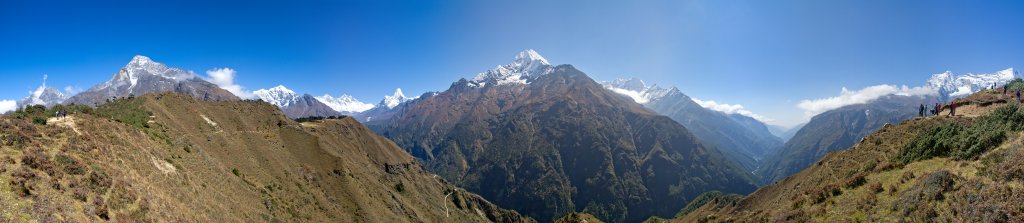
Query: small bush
(36,158)
(39,120)
(400,187)
(99,181)
(855,181)
(69,164)
(876,187)
(908,175)
(236,172)
(21,179)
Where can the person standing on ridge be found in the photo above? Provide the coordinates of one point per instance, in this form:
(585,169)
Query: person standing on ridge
(952,108)
(920,112)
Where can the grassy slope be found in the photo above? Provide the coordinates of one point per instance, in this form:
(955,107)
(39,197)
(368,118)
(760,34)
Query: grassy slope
(196,161)
(866,183)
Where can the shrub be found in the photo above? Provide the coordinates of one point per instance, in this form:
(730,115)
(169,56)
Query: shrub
(39,120)
(236,172)
(35,158)
(1016,84)
(855,181)
(400,187)
(964,141)
(70,164)
(99,181)
(876,187)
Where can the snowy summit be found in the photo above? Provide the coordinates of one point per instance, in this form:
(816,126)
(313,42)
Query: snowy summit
(44,95)
(637,90)
(950,85)
(141,65)
(279,96)
(390,101)
(344,103)
(527,65)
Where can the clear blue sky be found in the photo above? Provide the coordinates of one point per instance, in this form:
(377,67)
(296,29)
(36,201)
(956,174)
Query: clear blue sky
(765,55)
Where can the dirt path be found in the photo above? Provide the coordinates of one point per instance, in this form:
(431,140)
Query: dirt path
(68,121)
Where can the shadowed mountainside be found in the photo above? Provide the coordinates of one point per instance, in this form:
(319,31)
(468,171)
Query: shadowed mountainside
(965,168)
(837,129)
(561,144)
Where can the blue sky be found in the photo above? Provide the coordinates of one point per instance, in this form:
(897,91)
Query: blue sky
(764,55)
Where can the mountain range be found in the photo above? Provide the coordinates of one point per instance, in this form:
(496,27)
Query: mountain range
(547,140)
(742,138)
(142,76)
(842,127)
(294,105)
(934,169)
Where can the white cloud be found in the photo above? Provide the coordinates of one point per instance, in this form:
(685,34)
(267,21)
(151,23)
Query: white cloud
(225,78)
(731,109)
(72,90)
(8,105)
(846,97)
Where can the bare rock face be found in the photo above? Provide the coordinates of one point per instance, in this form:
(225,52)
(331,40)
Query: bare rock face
(142,76)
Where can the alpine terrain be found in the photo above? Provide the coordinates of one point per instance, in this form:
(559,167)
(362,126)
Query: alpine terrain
(842,127)
(742,138)
(548,140)
(142,75)
(44,95)
(171,157)
(295,105)
(965,168)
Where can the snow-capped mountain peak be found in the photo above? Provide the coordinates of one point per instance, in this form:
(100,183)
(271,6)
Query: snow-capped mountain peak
(530,56)
(279,96)
(344,103)
(43,95)
(138,67)
(638,90)
(390,101)
(527,65)
(950,85)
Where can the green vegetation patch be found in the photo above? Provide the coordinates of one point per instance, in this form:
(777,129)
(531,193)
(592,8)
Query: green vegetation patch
(1016,85)
(716,197)
(127,110)
(964,141)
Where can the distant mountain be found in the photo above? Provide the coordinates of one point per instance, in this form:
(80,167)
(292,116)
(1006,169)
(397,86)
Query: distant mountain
(742,138)
(950,85)
(965,175)
(142,75)
(548,140)
(838,129)
(294,105)
(841,128)
(785,133)
(345,104)
(44,95)
(388,107)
